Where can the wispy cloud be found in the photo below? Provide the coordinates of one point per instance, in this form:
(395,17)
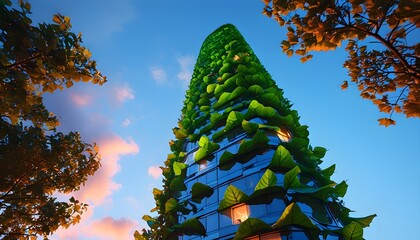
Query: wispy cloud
(158,74)
(123,93)
(126,122)
(186,64)
(80,99)
(155,172)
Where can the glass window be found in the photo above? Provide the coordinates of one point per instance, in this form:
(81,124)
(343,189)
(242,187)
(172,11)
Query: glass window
(277,205)
(213,198)
(251,181)
(212,222)
(240,213)
(211,177)
(224,219)
(258,210)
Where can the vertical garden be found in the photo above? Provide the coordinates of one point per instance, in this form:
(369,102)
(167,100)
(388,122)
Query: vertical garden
(241,165)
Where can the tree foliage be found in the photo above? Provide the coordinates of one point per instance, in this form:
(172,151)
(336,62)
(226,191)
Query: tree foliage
(383,54)
(36,160)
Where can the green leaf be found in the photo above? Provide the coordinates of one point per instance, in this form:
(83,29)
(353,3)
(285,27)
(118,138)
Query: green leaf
(282,159)
(233,120)
(249,127)
(250,227)
(352,231)
(138,236)
(291,179)
(319,152)
(200,191)
(206,147)
(226,158)
(170,205)
(328,171)
(266,195)
(364,221)
(180,133)
(179,167)
(255,143)
(191,227)
(340,189)
(293,215)
(177,184)
(232,197)
(269,179)
(150,221)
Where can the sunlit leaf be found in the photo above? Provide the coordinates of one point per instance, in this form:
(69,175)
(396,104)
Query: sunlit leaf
(293,215)
(232,197)
(352,231)
(282,159)
(291,179)
(250,227)
(269,179)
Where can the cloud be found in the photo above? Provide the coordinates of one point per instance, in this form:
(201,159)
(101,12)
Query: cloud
(155,172)
(126,122)
(106,228)
(158,74)
(101,185)
(109,228)
(81,100)
(122,93)
(186,64)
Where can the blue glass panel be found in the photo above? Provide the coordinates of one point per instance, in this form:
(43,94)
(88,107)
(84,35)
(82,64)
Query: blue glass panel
(212,222)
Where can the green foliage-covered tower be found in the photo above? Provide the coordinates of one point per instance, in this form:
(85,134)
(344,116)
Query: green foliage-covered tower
(241,165)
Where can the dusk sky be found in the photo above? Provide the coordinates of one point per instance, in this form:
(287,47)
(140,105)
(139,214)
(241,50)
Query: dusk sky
(148,49)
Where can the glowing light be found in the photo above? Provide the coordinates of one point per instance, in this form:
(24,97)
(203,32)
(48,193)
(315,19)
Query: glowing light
(284,134)
(240,214)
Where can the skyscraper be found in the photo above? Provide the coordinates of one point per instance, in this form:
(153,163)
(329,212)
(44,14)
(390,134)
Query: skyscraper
(241,165)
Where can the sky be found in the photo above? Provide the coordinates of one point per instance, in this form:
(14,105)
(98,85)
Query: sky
(148,49)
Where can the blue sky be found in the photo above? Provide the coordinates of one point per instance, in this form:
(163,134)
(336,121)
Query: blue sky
(148,50)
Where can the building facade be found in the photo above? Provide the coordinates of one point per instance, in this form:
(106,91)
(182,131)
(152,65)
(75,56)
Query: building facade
(241,165)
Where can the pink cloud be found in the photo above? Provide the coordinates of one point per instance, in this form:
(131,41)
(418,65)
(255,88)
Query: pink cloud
(123,93)
(112,229)
(155,172)
(80,100)
(106,228)
(99,186)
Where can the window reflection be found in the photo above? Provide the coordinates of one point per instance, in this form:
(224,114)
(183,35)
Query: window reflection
(202,165)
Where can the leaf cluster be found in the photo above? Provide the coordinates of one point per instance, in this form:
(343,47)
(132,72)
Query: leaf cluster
(383,58)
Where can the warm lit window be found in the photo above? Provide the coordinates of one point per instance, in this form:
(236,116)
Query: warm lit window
(202,165)
(239,214)
(284,134)
(271,236)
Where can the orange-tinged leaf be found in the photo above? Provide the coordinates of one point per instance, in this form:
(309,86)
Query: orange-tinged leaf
(57,19)
(386,122)
(345,85)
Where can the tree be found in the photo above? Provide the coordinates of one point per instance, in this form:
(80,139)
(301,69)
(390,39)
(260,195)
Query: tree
(383,58)
(36,160)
